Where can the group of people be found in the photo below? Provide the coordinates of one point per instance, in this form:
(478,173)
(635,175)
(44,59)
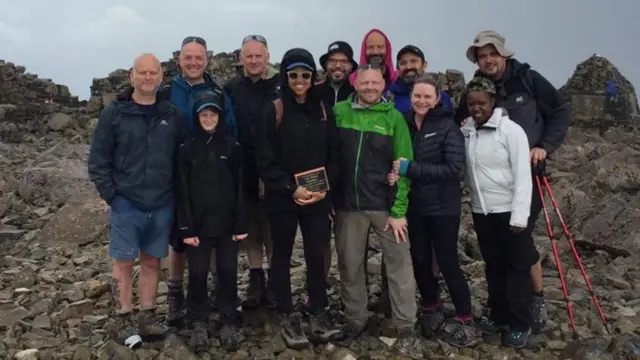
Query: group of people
(193,169)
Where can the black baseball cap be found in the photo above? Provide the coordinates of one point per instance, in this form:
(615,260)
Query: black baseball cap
(410,49)
(338,47)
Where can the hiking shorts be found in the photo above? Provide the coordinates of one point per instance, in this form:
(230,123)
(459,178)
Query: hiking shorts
(132,230)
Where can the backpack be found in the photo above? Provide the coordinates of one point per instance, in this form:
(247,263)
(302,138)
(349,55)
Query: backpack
(530,86)
(277,103)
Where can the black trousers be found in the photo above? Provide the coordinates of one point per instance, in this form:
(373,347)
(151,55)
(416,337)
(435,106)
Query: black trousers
(198,307)
(442,232)
(508,259)
(316,234)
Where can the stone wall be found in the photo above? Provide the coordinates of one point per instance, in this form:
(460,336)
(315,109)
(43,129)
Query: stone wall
(31,104)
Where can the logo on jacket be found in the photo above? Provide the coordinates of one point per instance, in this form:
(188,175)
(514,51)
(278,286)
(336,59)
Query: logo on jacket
(429,135)
(519,99)
(223,157)
(163,122)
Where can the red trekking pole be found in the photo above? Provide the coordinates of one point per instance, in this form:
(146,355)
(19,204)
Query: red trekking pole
(541,179)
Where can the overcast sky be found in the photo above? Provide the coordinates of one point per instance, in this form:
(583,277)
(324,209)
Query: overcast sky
(73,41)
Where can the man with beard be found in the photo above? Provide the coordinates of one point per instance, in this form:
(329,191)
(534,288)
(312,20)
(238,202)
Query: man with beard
(376,49)
(249,94)
(536,105)
(338,64)
(411,64)
(182,92)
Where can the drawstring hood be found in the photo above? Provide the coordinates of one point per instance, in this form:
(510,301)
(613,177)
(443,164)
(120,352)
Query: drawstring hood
(209,100)
(298,57)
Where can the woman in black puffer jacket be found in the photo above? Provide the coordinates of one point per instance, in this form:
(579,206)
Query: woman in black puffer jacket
(434,208)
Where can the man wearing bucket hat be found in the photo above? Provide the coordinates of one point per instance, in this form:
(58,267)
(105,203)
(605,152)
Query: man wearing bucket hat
(538,107)
(338,63)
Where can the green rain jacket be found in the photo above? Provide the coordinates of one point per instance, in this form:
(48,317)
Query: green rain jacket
(371,138)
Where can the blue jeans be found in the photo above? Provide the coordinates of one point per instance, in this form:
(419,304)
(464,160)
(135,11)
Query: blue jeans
(132,230)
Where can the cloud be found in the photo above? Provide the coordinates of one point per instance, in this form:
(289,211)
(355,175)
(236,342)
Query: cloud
(261,8)
(117,21)
(15,34)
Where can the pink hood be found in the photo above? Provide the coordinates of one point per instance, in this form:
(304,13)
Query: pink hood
(388,59)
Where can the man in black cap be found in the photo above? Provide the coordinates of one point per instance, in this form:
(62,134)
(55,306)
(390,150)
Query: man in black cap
(338,63)
(411,63)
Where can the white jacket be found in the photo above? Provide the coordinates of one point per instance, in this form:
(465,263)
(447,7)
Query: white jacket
(498,168)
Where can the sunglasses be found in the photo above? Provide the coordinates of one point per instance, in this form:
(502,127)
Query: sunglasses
(370,66)
(195,39)
(258,38)
(293,75)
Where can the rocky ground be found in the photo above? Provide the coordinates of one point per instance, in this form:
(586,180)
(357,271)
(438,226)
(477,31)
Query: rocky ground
(54,270)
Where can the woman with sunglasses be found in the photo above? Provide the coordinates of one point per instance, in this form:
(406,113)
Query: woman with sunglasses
(299,134)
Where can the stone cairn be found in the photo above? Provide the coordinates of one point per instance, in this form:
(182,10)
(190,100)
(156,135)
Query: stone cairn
(586,90)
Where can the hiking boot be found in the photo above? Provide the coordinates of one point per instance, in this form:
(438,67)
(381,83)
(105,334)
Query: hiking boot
(199,340)
(490,327)
(321,330)
(515,339)
(175,300)
(352,330)
(229,338)
(431,321)
(408,344)
(293,332)
(125,332)
(150,329)
(463,334)
(382,305)
(538,313)
(256,292)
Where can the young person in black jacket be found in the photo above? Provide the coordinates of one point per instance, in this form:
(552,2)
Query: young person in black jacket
(298,134)
(434,209)
(211,214)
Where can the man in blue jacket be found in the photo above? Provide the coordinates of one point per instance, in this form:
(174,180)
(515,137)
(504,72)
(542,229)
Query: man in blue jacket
(131,164)
(182,92)
(411,63)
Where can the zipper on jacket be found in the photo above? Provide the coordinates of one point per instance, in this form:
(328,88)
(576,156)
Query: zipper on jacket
(474,162)
(355,182)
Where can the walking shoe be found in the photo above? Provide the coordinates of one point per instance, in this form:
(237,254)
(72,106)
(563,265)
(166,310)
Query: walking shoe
(431,321)
(175,300)
(199,340)
(515,339)
(256,292)
(538,313)
(150,329)
(463,334)
(321,330)
(293,332)
(125,332)
(229,338)
(408,344)
(490,327)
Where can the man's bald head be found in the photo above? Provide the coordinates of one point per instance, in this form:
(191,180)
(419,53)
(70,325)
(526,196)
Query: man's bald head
(146,74)
(369,84)
(146,58)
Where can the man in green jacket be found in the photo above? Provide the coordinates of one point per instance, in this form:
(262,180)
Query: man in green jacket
(372,134)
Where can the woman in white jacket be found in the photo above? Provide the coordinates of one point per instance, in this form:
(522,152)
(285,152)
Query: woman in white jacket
(498,175)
